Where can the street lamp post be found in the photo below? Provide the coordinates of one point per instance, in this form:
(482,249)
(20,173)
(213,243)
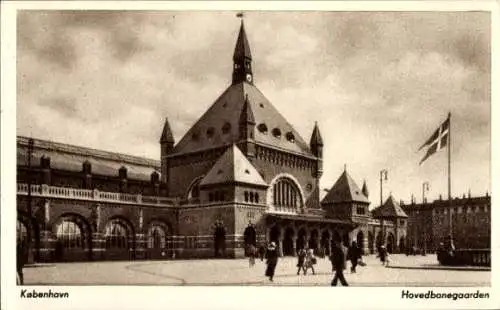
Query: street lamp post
(383,177)
(425,188)
(29,243)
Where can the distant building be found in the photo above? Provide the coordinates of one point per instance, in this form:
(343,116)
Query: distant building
(429,223)
(241,175)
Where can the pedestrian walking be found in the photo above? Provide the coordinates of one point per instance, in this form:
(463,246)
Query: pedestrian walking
(252,252)
(354,255)
(310,261)
(339,264)
(271,260)
(20,261)
(301,255)
(384,256)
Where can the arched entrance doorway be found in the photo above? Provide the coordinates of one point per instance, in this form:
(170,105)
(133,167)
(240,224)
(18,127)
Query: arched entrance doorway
(159,240)
(325,242)
(301,239)
(390,243)
(370,242)
(379,241)
(360,241)
(120,239)
(402,245)
(288,242)
(73,239)
(219,240)
(250,237)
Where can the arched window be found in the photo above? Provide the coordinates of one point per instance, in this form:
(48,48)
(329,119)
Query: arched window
(69,234)
(194,190)
(116,235)
(286,196)
(157,236)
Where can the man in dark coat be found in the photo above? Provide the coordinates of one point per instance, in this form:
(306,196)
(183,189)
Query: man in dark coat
(339,264)
(272,260)
(353,254)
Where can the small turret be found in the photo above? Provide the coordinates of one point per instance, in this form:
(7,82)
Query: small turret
(167,145)
(364,190)
(247,121)
(316,143)
(246,129)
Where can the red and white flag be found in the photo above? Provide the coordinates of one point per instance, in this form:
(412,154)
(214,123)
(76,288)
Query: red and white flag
(438,140)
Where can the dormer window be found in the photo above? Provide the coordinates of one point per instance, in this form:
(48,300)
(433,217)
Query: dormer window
(210,132)
(277,133)
(155,177)
(45,162)
(226,128)
(262,128)
(122,173)
(87,167)
(290,137)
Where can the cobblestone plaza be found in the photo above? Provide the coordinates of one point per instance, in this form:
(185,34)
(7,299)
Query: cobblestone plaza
(405,271)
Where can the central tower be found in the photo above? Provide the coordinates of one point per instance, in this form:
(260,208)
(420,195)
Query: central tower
(242,59)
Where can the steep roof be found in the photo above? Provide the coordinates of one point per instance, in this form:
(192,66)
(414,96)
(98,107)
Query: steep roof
(233,166)
(364,190)
(166,135)
(390,208)
(69,157)
(207,132)
(345,190)
(242,48)
(316,136)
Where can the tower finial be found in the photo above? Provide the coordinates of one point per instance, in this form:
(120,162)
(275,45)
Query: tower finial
(345,167)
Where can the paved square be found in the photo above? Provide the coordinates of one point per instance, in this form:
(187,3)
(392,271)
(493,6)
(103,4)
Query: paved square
(238,272)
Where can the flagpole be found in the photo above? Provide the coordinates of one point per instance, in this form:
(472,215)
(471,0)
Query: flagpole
(449,178)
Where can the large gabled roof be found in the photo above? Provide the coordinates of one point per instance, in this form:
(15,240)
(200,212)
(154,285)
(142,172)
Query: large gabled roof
(226,111)
(389,209)
(233,167)
(345,190)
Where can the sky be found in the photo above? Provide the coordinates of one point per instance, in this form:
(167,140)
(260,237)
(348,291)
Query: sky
(377,83)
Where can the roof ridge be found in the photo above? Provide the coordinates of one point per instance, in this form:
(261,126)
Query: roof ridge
(92,152)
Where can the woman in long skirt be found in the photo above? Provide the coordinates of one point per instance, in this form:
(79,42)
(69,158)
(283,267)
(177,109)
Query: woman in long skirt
(272,260)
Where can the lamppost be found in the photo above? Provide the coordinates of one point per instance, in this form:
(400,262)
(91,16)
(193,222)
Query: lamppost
(29,243)
(383,177)
(425,188)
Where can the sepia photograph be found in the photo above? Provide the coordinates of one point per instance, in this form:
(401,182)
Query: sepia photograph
(252,148)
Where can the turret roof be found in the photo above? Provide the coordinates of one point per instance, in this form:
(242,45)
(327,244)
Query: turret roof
(345,190)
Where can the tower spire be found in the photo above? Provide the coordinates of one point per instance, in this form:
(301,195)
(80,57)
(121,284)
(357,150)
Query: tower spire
(242,57)
(166,135)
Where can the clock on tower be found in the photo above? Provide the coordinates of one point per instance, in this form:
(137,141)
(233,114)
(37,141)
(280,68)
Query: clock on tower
(249,78)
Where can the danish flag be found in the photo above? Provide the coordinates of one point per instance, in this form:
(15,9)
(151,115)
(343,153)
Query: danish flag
(438,140)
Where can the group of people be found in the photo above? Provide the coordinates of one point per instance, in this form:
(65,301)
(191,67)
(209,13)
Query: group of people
(306,260)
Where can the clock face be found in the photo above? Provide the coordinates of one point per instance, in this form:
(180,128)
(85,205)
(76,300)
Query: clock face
(249,77)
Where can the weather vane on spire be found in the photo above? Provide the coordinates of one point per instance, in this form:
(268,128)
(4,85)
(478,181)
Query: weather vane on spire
(240,15)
